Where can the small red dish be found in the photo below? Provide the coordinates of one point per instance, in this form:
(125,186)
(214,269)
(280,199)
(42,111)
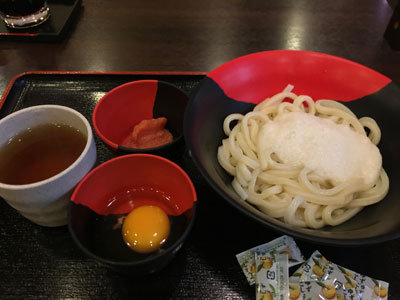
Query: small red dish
(125,106)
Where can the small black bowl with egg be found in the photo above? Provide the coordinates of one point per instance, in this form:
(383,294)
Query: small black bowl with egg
(133,213)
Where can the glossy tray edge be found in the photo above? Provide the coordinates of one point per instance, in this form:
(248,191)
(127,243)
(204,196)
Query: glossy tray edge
(99,73)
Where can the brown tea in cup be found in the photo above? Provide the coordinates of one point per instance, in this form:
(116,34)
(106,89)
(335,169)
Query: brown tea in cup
(39,153)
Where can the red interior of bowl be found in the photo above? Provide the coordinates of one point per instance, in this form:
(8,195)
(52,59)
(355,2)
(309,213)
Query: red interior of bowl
(123,107)
(98,188)
(253,77)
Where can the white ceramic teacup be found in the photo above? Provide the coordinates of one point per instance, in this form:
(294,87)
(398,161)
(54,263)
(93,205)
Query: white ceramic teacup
(45,202)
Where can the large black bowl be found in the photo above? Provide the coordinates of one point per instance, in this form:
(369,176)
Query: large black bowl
(236,86)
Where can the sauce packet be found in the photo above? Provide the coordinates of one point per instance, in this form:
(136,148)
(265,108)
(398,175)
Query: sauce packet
(282,245)
(317,290)
(357,286)
(272,276)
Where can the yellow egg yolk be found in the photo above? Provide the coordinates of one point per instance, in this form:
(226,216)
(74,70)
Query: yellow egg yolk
(146,228)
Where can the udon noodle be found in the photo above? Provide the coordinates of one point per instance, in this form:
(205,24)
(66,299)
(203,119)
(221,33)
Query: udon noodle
(300,190)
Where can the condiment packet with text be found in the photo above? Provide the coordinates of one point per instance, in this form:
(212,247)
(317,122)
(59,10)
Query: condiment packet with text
(356,286)
(317,290)
(282,245)
(272,276)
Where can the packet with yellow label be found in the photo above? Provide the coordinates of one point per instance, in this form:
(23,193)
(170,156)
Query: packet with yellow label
(272,276)
(317,290)
(357,286)
(282,245)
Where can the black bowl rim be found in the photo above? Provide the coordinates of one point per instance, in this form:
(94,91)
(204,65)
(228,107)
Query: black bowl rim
(128,264)
(128,150)
(303,236)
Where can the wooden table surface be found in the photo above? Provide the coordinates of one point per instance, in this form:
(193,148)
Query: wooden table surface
(131,35)
(182,35)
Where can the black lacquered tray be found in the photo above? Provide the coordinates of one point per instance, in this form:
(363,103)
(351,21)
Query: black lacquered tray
(44,263)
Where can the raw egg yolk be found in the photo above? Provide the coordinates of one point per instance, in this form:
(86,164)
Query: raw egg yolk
(146,228)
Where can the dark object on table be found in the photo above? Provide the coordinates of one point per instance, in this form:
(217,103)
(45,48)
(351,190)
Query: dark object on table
(392,33)
(24,13)
(62,14)
(103,199)
(125,106)
(20,7)
(238,85)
